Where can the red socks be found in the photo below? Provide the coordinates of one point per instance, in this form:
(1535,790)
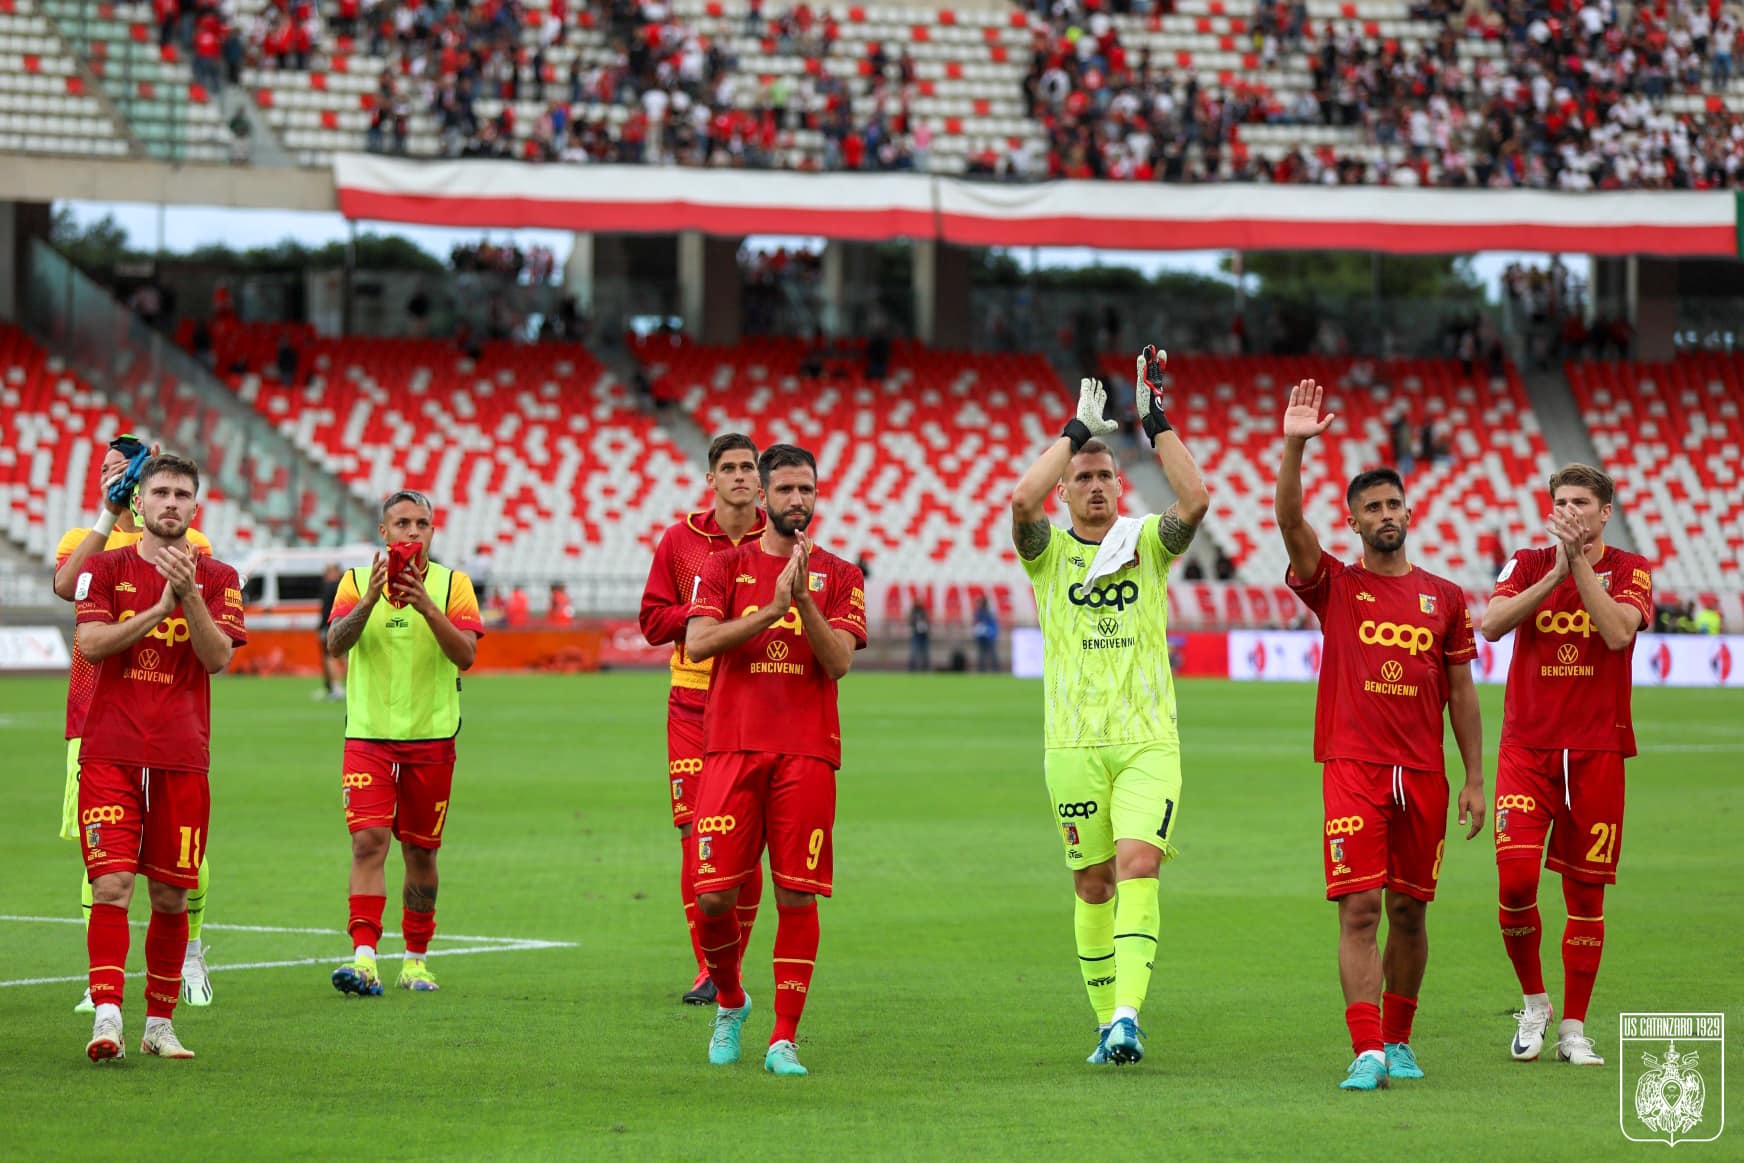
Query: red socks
(366,919)
(1397,1012)
(720,951)
(796,946)
(166,943)
(1583,943)
(106,940)
(1521,924)
(687,893)
(418,929)
(750,896)
(1364,1020)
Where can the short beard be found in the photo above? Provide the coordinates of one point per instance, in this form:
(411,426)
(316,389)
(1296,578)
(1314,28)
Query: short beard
(780,523)
(157,530)
(1378,542)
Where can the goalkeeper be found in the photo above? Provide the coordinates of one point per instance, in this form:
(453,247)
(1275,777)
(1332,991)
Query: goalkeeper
(1112,759)
(117,525)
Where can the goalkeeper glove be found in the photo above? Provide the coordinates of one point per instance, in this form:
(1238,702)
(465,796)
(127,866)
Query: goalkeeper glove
(1151,363)
(137,453)
(1090,420)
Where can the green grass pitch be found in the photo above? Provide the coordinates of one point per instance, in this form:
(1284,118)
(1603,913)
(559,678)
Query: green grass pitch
(947,1019)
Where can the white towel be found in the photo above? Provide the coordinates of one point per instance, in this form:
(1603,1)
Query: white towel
(1116,549)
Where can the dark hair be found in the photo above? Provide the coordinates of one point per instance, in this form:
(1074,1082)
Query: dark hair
(784,456)
(728,442)
(412,495)
(171,464)
(1584,476)
(1363,481)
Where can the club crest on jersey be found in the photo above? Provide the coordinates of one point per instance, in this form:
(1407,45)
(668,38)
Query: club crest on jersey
(1336,846)
(814,581)
(1426,603)
(704,847)
(94,836)
(1502,821)
(1071,831)
(1605,581)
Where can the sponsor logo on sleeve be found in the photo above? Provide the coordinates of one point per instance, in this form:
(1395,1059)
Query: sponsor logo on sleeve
(1507,570)
(83,589)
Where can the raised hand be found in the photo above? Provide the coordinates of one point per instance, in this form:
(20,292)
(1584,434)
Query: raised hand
(1302,419)
(378,577)
(176,564)
(1151,362)
(1092,403)
(1570,538)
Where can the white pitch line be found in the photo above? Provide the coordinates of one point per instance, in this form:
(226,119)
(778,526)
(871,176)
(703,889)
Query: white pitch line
(272,929)
(517,947)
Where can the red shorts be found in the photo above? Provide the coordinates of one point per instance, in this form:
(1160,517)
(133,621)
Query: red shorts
(1580,792)
(399,786)
(138,819)
(753,798)
(683,759)
(1384,826)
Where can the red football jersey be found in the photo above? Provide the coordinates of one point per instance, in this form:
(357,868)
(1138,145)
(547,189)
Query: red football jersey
(1383,671)
(770,694)
(1566,688)
(82,677)
(672,579)
(152,706)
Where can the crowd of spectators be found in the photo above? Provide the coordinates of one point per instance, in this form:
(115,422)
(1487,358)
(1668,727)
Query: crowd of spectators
(1571,94)
(1574,100)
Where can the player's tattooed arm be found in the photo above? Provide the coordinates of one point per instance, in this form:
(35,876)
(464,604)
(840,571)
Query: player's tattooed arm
(1030,537)
(343,634)
(1175,531)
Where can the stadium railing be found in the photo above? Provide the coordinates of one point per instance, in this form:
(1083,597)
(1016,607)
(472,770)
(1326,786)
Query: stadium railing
(169,395)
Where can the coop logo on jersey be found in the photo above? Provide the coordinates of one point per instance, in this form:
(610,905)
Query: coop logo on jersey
(1411,639)
(1672,1087)
(1553,622)
(171,630)
(1115,596)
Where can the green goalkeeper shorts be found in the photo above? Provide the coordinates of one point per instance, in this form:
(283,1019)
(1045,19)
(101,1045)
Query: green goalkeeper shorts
(1129,791)
(70,797)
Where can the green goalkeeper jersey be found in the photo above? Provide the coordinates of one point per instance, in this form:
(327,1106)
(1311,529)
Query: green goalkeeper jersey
(1105,664)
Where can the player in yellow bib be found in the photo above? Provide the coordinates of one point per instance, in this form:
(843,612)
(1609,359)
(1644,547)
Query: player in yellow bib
(1112,759)
(116,528)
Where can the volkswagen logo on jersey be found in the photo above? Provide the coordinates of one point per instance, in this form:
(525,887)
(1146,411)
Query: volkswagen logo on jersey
(1115,596)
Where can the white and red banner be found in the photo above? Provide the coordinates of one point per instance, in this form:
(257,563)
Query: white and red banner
(1128,216)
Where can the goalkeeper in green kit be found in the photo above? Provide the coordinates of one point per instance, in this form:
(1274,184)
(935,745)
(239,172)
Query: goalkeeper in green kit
(1112,759)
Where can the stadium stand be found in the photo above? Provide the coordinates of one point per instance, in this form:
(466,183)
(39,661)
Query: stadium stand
(1483,495)
(44,104)
(1672,431)
(917,466)
(145,67)
(537,453)
(52,429)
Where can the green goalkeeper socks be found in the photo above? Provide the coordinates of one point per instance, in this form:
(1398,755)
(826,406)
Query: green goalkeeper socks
(197,902)
(1136,921)
(1094,927)
(85,899)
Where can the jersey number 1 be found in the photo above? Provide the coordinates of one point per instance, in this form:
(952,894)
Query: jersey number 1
(190,857)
